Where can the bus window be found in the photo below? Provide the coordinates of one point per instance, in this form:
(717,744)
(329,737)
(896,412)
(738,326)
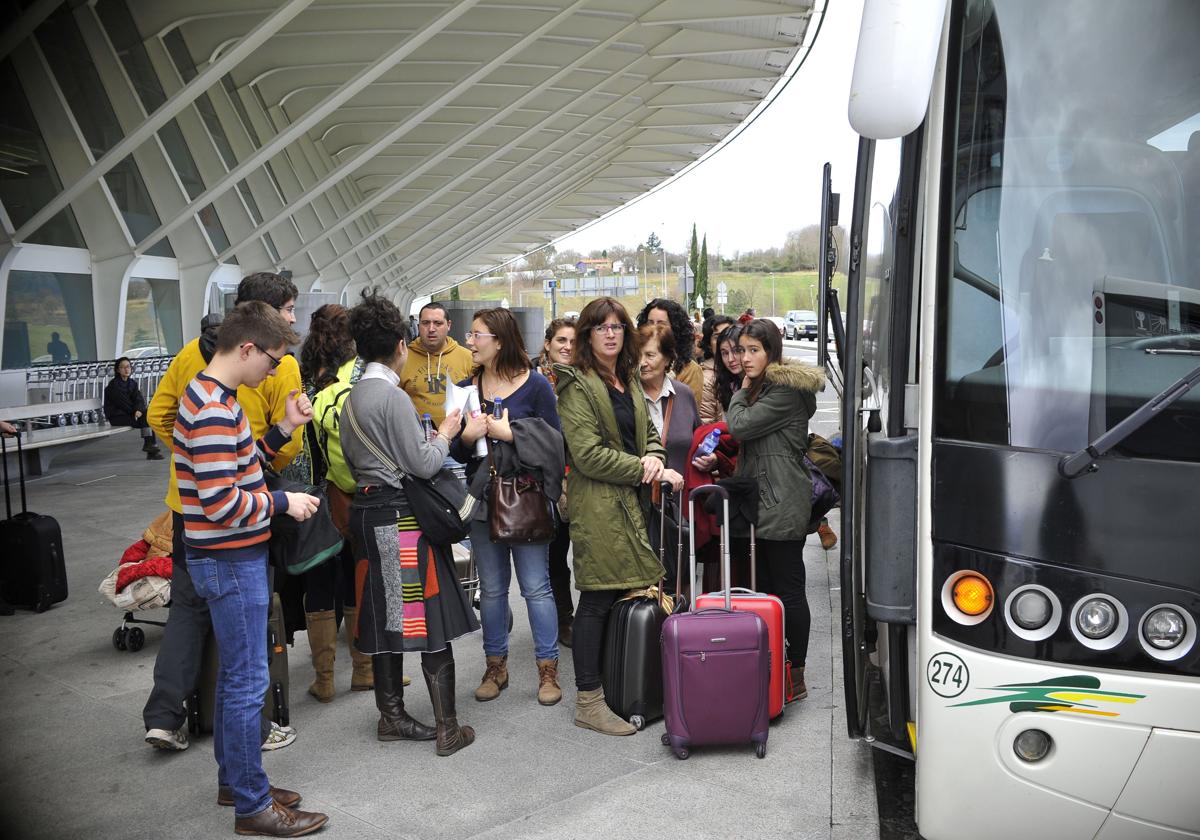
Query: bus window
(878,268)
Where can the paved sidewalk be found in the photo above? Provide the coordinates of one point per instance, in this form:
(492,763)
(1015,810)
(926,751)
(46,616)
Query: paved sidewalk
(73,764)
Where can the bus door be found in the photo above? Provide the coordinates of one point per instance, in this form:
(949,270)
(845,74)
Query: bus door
(873,362)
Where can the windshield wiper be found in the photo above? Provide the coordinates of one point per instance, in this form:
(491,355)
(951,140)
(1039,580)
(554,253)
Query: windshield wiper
(1076,464)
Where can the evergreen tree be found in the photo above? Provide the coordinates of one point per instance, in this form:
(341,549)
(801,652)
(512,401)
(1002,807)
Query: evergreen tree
(702,273)
(653,243)
(693,259)
(454,293)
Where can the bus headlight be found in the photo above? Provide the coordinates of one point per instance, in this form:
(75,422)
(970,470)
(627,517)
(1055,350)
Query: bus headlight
(1031,609)
(1032,745)
(1164,628)
(1097,618)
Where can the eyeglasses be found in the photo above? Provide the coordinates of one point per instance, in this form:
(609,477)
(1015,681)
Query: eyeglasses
(274,361)
(286,310)
(611,329)
(475,335)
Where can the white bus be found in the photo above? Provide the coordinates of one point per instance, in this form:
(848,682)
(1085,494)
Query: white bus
(1021,506)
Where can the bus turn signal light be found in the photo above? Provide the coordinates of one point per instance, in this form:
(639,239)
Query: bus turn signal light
(972,594)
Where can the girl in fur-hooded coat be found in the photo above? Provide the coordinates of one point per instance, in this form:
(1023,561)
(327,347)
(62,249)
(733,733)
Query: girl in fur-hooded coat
(773,430)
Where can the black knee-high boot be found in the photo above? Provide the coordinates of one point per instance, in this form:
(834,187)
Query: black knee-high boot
(395,724)
(438,669)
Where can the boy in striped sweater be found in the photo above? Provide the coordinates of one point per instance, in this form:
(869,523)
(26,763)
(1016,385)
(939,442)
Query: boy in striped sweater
(227,512)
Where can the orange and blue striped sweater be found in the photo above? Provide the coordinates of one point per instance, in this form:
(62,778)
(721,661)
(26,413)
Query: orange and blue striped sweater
(226,504)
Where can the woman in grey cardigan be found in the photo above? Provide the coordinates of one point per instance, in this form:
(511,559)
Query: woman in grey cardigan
(409,597)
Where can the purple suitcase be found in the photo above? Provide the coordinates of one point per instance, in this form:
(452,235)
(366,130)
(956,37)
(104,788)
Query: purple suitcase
(716,668)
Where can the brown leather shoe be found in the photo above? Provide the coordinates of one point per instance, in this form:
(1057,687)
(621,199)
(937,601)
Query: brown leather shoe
(828,538)
(495,679)
(548,691)
(287,798)
(280,821)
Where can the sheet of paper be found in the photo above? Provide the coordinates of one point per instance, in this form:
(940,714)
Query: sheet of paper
(466,399)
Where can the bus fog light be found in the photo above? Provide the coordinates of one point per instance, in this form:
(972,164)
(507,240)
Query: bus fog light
(1031,609)
(1032,745)
(1164,628)
(1097,618)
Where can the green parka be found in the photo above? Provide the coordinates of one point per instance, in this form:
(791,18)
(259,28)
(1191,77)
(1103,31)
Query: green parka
(773,432)
(608,526)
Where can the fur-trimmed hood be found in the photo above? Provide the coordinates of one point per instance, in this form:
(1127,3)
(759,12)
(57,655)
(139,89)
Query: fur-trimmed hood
(796,375)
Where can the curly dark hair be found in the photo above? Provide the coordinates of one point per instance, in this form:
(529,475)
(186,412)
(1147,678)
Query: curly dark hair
(267,286)
(327,346)
(727,383)
(710,326)
(377,326)
(681,327)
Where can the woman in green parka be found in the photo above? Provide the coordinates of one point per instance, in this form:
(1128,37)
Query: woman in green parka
(612,448)
(769,416)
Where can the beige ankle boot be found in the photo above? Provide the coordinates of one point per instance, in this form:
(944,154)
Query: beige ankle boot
(591,712)
(495,679)
(363,678)
(548,691)
(322,639)
(799,687)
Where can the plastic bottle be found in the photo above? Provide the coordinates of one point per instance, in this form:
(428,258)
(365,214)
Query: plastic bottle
(709,444)
(427,425)
(498,408)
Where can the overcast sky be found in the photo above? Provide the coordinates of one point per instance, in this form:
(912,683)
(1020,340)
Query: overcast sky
(767,181)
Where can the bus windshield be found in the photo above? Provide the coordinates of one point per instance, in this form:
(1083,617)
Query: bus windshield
(1071,288)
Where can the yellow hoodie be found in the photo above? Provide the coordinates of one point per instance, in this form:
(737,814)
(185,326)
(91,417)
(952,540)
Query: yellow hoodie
(263,406)
(424,376)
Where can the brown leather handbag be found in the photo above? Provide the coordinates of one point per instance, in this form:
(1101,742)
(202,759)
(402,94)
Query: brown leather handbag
(518,510)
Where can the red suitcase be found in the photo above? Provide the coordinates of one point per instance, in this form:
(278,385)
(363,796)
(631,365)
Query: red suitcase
(770,609)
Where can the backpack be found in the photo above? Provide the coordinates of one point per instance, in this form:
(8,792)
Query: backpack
(827,458)
(327,408)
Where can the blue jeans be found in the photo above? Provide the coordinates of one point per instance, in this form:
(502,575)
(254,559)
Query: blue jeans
(239,599)
(533,576)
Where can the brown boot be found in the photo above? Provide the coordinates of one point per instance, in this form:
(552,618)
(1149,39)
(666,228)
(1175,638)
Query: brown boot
(280,821)
(566,634)
(828,538)
(495,679)
(363,678)
(450,736)
(395,724)
(548,691)
(799,688)
(591,712)
(322,639)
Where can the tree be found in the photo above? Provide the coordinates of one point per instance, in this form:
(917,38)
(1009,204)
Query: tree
(653,243)
(702,272)
(693,258)
(454,293)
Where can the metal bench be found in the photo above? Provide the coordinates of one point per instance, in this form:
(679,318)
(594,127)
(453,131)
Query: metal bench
(41,441)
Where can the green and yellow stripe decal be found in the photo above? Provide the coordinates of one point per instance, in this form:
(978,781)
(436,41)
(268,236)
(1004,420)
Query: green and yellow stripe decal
(1077,694)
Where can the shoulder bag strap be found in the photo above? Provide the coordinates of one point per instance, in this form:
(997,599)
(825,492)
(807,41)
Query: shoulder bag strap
(374,450)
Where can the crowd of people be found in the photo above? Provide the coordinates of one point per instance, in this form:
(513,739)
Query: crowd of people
(604,420)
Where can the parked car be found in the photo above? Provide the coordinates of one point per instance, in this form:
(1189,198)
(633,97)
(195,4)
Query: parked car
(801,323)
(143,352)
(777,322)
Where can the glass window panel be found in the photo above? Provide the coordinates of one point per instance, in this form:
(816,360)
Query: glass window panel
(48,318)
(28,179)
(73,69)
(152,321)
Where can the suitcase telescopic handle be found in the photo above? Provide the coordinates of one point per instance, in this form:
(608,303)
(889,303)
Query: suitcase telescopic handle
(704,490)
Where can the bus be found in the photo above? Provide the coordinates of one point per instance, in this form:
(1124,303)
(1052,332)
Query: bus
(1020,554)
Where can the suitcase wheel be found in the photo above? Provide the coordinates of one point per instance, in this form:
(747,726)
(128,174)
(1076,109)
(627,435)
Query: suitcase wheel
(682,753)
(118,639)
(760,750)
(666,740)
(135,640)
(638,722)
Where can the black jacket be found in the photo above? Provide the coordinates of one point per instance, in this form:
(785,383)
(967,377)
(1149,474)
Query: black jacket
(121,399)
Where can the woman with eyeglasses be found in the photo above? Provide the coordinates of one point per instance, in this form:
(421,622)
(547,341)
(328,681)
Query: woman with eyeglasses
(613,448)
(769,415)
(525,439)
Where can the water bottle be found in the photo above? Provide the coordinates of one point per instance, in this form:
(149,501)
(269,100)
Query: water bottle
(709,444)
(498,408)
(427,425)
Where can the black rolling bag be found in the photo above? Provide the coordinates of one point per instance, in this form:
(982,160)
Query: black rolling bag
(275,704)
(33,573)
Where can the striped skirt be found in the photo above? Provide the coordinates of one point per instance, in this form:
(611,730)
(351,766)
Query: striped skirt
(409,596)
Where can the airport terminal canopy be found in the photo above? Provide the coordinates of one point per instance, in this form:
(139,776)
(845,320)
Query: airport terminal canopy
(163,149)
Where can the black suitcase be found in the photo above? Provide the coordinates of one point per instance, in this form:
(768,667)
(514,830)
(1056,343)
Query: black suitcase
(34,572)
(632,674)
(275,702)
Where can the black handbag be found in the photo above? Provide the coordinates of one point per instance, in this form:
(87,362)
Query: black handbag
(295,546)
(518,510)
(441,505)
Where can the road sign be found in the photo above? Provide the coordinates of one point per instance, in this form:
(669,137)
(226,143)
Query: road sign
(553,283)
(722,287)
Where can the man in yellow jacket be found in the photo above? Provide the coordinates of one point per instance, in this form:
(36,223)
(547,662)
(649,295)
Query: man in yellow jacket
(434,358)
(177,666)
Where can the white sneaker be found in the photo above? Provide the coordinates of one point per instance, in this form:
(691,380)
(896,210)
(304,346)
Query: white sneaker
(279,738)
(166,739)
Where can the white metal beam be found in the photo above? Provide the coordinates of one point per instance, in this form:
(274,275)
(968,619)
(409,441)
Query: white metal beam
(319,112)
(419,117)
(166,112)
